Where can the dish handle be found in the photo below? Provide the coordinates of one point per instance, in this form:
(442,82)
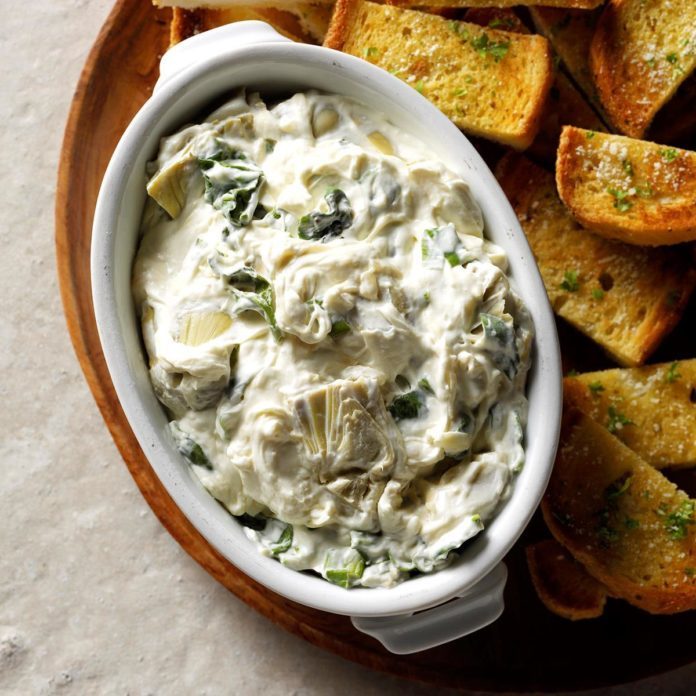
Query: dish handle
(479,606)
(213,42)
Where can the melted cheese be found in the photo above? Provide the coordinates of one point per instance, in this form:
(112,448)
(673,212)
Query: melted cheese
(338,345)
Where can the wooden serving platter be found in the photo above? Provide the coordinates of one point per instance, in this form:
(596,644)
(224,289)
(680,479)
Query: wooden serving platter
(528,649)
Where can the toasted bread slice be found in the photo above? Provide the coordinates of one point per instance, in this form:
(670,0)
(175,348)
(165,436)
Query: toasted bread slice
(565,105)
(627,189)
(625,298)
(651,409)
(562,584)
(186,23)
(463,69)
(570,33)
(632,529)
(640,53)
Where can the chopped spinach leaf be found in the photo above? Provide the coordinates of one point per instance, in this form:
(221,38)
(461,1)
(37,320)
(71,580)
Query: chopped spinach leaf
(232,184)
(254,293)
(504,356)
(409,405)
(325,226)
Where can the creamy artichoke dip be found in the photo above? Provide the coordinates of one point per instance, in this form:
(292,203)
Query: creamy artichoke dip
(338,346)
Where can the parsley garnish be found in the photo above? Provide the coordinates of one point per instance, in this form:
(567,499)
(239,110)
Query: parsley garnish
(676,523)
(452,258)
(485,47)
(425,385)
(627,167)
(501,22)
(570,281)
(595,387)
(669,154)
(621,202)
(476,518)
(616,420)
(590,134)
(673,373)
(370,51)
(598,293)
(419,86)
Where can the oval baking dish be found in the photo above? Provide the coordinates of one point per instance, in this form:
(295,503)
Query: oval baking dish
(194,75)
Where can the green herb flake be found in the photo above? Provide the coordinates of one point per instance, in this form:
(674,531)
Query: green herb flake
(406,406)
(590,134)
(572,373)
(627,167)
(339,327)
(616,420)
(621,202)
(269,145)
(631,523)
(420,85)
(689,572)
(476,519)
(370,51)
(426,297)
(343,566)
(673,372)
(570,281)
(459,30)
(425,385)
(495,49)
(284,541)
(617,488)
(595,387)
(460,92)
(598,293)
(677,522)
(501,22)
(453,258)
(669,154)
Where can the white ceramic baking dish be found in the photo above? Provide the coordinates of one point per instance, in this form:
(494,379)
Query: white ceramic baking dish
(194,75)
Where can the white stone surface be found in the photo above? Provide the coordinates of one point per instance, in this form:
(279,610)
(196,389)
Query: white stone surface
(95,597)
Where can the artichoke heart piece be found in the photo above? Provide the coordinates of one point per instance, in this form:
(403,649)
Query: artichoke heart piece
(345,430)
(168,186)
(198,328)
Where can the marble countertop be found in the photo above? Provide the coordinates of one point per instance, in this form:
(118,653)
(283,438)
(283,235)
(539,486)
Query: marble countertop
(95,597)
